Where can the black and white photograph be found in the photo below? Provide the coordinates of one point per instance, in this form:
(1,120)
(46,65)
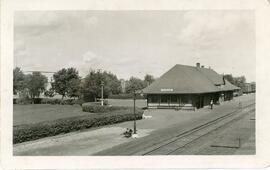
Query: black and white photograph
(134,83)
(119,84)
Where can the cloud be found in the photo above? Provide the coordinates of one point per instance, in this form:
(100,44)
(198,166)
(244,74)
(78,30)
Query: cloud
(129,44)
(30,19)
(35,23)
(208,28)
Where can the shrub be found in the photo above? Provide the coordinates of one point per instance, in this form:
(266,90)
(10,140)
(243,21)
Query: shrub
(63,102)
(125,96)
(78,101)
(45,101)
(51,101)
(23,101)
(37,100)
(22,133)
(95,107)
(67,102)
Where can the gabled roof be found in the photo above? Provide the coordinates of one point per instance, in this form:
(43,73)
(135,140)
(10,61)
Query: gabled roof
(182,79)
(216,78)
(228,86)
(187,79)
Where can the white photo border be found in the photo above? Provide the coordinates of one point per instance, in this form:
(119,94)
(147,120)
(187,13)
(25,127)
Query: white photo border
(261,9)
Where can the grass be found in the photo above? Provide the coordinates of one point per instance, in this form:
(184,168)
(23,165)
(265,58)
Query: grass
(127,102)
(28,132)
(34,113)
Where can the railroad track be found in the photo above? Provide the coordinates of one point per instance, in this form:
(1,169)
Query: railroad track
(172,145)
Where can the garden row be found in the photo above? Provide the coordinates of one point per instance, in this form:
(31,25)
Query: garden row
(107,116)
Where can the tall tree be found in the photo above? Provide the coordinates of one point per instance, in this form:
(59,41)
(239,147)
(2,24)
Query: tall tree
(230,78)
(149,79)
(92,85)
(74,88)
(240,81)
(49,93)
(237,81)
(35,84)
(112,83)
(135,84)
(18,80)
(66,82)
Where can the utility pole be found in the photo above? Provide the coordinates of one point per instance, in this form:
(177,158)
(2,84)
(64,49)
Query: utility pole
(102,84)
(134,99)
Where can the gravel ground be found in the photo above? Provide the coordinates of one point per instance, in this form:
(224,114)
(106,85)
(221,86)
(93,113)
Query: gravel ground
(227,140)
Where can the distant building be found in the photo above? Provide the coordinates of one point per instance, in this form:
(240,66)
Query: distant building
(188,86)
(249,88)
(123,85)
(253,87)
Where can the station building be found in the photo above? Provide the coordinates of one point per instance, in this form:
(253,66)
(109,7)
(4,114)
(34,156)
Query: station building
(188,86)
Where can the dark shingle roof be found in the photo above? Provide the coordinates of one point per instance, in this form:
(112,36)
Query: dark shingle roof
(187,79)
(213,76)
(228,86)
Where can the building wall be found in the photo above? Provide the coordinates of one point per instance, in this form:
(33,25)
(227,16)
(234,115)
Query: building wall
(179,100)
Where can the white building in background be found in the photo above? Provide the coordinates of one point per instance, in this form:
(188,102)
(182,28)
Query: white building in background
(123,85)
(49,75)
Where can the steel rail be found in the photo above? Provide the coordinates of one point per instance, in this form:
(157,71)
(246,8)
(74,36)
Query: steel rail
(226,123)
(195,129)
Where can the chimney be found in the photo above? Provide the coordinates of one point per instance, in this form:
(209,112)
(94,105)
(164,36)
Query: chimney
(198,65)
(202,66)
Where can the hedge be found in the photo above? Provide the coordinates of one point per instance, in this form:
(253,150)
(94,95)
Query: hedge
(94,107)
(125,96)
(62,102)
(47,101)
(28,132)
(22,101)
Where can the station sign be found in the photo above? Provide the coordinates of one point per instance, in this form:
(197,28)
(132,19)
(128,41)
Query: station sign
(166,90)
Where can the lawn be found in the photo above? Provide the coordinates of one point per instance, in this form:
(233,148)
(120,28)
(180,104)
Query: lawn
(34,113)
(33,122)
(127,102)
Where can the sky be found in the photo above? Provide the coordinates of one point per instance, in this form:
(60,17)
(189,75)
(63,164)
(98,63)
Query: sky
(135,43)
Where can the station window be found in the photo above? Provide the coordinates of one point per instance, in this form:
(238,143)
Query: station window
(164,99)
(173,99)
(154,99)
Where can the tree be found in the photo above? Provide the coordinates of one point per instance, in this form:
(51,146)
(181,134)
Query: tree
(66,82)
(18,80)
(112,83)
(35,84)
(148,79)
(135,84)
(230,78)
(240,82)
(91,87)
(74,88)
(49,93)
(237,81)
